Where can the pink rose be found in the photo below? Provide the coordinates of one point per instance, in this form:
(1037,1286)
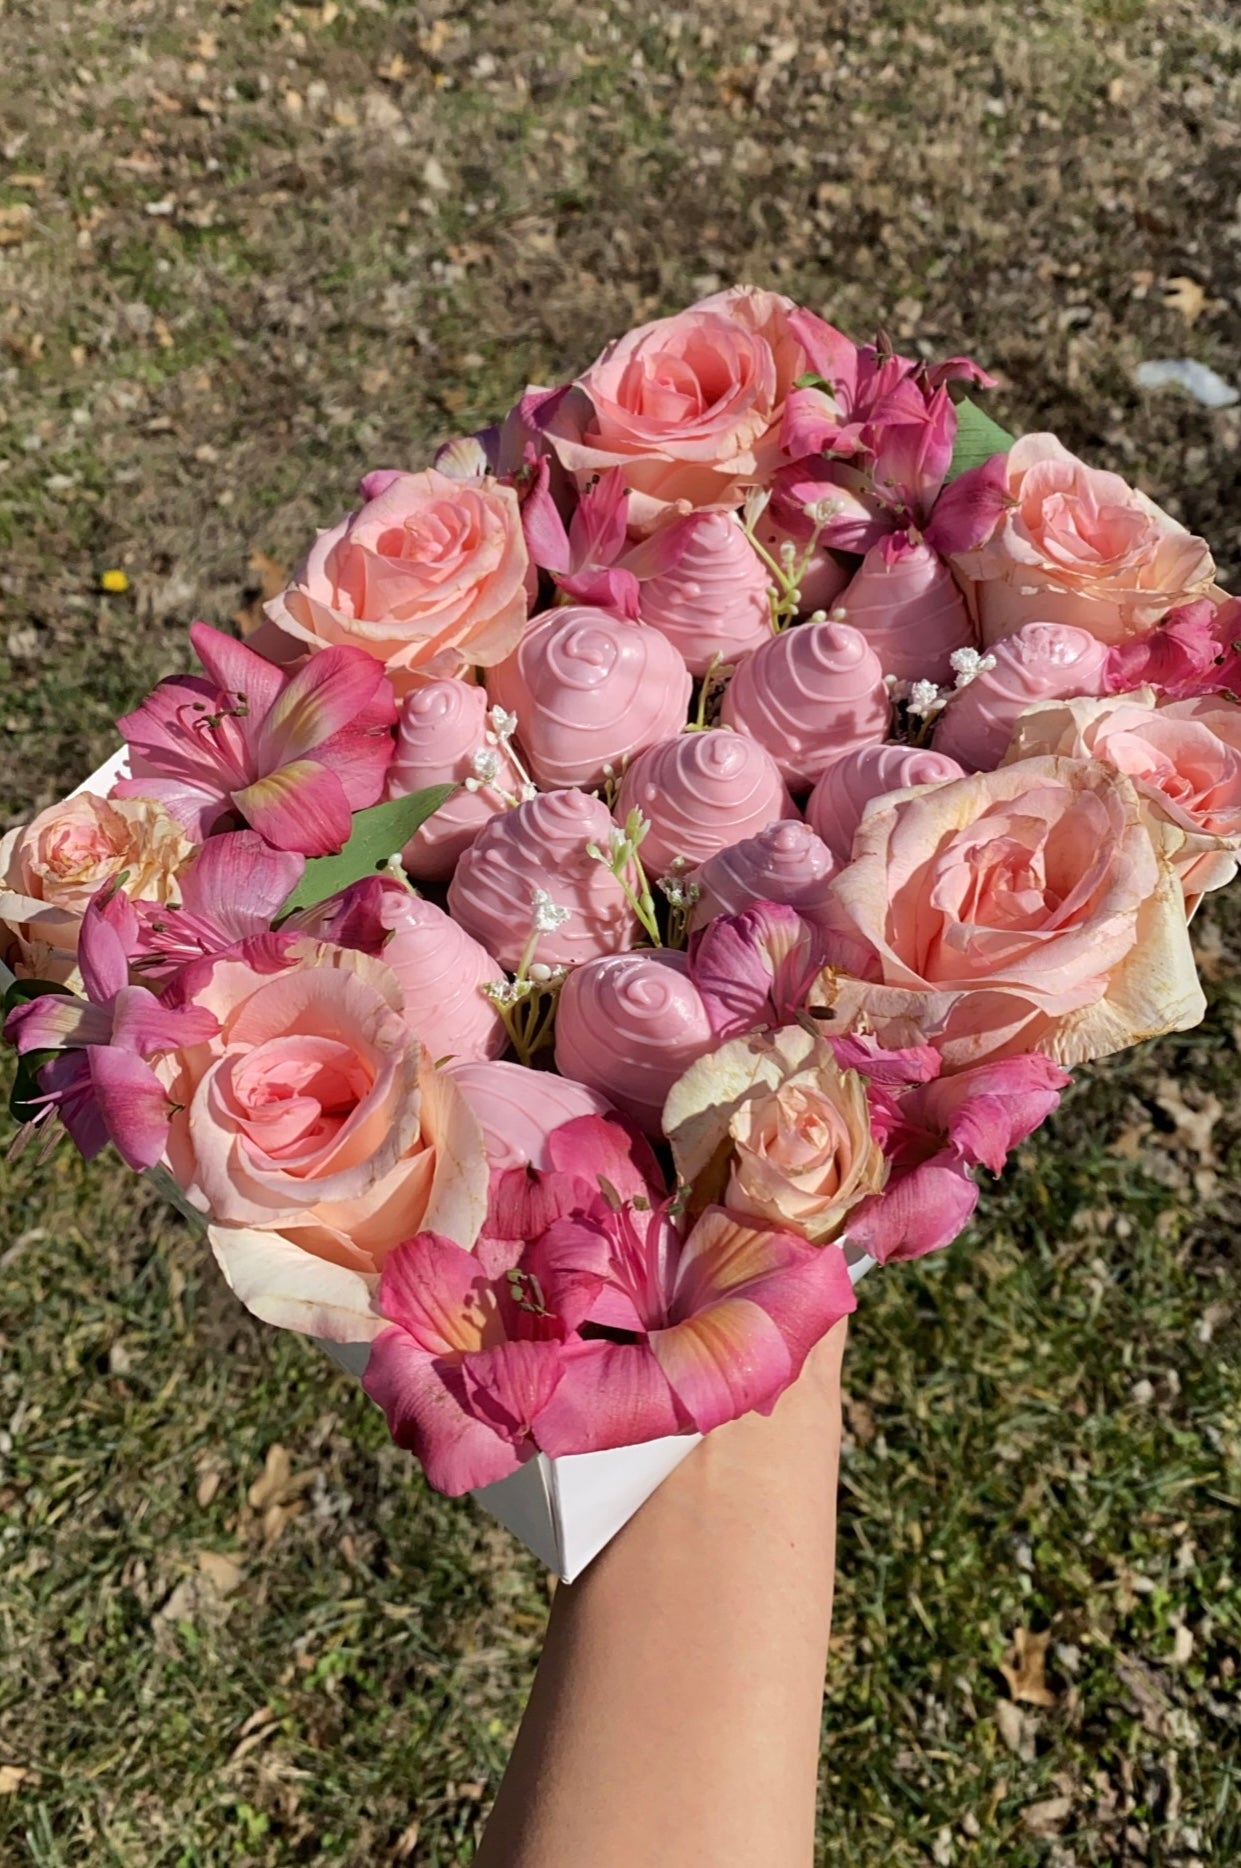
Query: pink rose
(689,406)
(791,1128)
(1077,545)
(316,1133)
(51,867)
(1184,757)
(429,576)
(1031,909)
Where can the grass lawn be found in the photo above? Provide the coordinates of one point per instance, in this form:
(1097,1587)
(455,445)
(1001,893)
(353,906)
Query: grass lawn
(250,248)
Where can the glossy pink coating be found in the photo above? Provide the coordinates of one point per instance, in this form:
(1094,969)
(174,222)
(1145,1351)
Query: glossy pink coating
(542,845)
(836,804)
(809,695)
(786,862)
(441,969)
(518,1109)
(713,602)
(443,726)
(823,578)
(906,603)
(590,690)
(630,1025)
(701,792)
(1043,661)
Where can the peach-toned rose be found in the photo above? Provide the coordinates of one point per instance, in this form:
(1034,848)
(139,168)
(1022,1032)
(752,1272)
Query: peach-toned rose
(1079,546)
(1184,757)
(429,576)
(689,406)
(1035,908)
(51,867)
(793,1129)
(316,1134)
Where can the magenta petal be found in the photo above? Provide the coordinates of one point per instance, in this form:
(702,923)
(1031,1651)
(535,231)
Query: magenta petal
(238,883)
(103,952)
(133,1104)
(595,1149)
(421,1397)
(143,1024)
(917,1212)
(328,694)
(988,1110)
(546,539)
(829,353)
(378,480)
(724,1362)
(236,669)
(509,1385)
(968,511)
(609,1394)
(57,1021)
(598,528)
(574,1261)
(613,589)
(301,807)
(435,1290)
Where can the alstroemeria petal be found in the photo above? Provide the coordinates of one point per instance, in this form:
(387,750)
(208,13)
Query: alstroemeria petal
(917,1212)
(236,670)
(144,1025)
(133,1104)
(239,882)
(104,945)
(301,807)
(328,694)
(723,1362)
(609,1394)
(509,1385)
(421,1397)
(436,1291)
(56,1021)
(598,1149)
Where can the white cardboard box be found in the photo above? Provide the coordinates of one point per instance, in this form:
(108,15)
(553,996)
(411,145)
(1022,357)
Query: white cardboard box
(564,1510)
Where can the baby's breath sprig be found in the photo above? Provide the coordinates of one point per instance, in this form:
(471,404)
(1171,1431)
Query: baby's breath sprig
(682,896)
(527,1002)
(621,857)
(789,566)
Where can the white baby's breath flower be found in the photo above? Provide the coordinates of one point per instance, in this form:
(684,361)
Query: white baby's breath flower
(966,664)
(548,915)
(924,699)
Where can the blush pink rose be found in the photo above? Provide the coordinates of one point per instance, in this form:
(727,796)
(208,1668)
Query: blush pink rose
(429,576)
(791,1127)
(316,1133)
(51,867)
(1080,546)
(1035,908)
(689,407)
(1184,757)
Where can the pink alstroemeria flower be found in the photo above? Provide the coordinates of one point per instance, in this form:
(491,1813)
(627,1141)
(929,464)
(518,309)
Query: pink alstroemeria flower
(605,1328)
(889,415)
(934,1134)
(757,967)
(1194,650)
(102,1084)
(593,561)
(230,895)
(295,755)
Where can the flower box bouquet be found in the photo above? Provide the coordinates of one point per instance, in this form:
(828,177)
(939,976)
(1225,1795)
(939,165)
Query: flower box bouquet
(637,874)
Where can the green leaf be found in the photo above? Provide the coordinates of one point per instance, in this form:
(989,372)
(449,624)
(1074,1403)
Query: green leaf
(26,1096)
(377,834)
(978,438)
(810,379)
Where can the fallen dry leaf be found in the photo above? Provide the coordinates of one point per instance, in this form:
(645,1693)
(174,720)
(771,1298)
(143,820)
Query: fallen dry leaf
(1193,1126)
(1016,1729)
(267,579)
(16,223)
(1023,1668)
(208,1485)
(12,1777)
(276,1476)
(223,1572)
(1048,1817)
(405,1844)
(1186,296)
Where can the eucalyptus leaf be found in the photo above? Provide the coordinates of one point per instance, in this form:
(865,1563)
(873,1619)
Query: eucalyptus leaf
(978,438)
(377,834)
